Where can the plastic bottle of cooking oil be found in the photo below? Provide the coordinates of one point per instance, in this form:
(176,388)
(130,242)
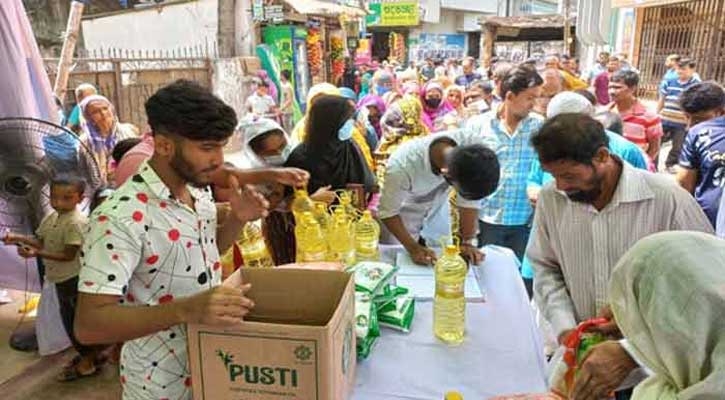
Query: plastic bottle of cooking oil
(323,217)
(367,235)
(449,305)
(346,204)
(311,244)
(341,238)
(302,203)
(253,247)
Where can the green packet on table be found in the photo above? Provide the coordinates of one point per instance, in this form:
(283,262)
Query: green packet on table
(401,317)
(371,277)
(386,300)
(367,328)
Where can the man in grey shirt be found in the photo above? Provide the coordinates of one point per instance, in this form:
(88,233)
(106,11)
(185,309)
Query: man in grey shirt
(597,208)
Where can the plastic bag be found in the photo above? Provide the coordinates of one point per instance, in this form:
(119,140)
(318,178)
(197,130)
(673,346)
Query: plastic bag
(576,346)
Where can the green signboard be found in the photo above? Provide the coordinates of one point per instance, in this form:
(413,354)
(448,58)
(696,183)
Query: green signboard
(397,13)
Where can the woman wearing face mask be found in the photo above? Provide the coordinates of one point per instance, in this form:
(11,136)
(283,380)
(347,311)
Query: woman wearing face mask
(373,107)
(102,131)
(328,152)
(300,130)
(266,145)
(434,106)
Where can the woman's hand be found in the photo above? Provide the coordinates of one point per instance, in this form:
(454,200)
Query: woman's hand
(324,195)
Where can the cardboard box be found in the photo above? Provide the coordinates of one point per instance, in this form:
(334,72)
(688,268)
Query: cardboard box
(298,343)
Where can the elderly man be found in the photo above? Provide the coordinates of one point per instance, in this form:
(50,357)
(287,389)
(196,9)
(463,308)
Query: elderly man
(597,208)
(553,85)
(75,119)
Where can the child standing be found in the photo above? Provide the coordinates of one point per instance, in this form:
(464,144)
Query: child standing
(58,241)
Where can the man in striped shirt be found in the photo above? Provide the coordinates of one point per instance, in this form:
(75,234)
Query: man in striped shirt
(674,121)
(641,126)
(597,209)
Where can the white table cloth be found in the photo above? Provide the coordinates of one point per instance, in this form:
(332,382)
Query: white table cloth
(502,352)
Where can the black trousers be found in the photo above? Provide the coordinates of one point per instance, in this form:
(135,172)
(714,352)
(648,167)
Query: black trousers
(677,134)
(67,298)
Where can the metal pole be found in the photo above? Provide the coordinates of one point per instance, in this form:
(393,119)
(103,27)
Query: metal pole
(69,45)
(567,27)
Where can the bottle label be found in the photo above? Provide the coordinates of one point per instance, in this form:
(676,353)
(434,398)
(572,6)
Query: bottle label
(449,289)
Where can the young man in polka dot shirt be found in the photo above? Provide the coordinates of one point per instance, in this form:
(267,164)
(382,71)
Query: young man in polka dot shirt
(150,263)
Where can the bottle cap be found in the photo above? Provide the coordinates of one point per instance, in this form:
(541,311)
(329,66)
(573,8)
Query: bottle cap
(451,250)
(453,396)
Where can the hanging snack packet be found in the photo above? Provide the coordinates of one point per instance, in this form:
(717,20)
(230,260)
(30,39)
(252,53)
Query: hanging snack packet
(401,317)
(367,329)
(372,277)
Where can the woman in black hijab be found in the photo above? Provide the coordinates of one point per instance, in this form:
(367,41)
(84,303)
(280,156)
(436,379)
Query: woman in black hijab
(328,152)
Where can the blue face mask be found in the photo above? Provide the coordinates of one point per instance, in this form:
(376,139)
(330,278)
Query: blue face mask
(345,132)
(381,90)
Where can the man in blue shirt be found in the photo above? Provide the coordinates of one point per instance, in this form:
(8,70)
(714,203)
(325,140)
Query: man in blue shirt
(674,121)
(702,161)
(505,215)
(469,75)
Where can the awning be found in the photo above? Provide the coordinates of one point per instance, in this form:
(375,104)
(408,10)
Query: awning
(318,7)
(643,3)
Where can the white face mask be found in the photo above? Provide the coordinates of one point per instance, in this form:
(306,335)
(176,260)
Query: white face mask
(279,159)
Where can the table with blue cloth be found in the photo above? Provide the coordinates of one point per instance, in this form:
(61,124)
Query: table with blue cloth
(502,352)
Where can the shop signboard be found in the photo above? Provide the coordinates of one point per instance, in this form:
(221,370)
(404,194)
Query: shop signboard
(274,13)
(258,10)
(393,13)
(438,46)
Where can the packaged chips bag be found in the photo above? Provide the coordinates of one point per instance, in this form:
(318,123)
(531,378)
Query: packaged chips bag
(576,346)
(367,329)
(401,317)
(372,277)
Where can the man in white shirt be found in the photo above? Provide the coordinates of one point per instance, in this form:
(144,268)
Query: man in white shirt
(417,181)
(598,208)
(260,103)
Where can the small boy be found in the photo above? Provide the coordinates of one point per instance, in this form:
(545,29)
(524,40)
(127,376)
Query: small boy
(260,103)
(58,241)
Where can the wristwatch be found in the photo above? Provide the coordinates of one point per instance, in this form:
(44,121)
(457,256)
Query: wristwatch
(473,242)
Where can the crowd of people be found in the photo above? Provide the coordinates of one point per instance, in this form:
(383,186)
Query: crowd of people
(557,165)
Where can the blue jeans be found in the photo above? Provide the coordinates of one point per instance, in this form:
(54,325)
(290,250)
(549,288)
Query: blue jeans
(515,237)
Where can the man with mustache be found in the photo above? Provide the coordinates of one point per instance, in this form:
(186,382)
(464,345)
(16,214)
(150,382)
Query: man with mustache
(597,208)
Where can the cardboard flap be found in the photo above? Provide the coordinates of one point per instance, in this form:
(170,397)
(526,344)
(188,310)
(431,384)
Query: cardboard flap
(294,296)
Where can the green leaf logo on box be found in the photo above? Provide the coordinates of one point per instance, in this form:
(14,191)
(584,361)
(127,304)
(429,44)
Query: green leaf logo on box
(303,353)
(253,374)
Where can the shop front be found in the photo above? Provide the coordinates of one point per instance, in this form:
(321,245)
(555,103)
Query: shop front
(307,38)
(387,31)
